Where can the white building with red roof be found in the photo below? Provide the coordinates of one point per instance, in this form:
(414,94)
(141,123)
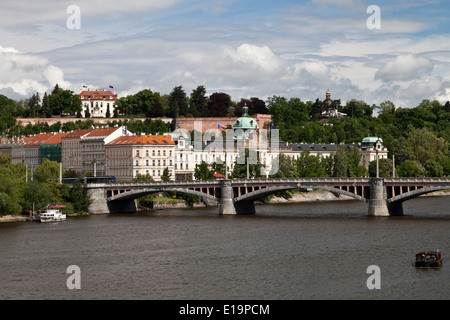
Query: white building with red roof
(97,103)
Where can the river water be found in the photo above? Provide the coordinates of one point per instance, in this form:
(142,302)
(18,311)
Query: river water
(285,251)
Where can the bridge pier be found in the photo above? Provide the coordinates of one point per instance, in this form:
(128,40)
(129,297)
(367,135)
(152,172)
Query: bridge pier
(99,203)
(226,204)
(378,204)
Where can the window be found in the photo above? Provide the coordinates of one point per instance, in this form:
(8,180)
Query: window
(153,152)
(164,152)
(146,153)
(137,162)
(137,153)
(146,162)
(159,152)
(153,162)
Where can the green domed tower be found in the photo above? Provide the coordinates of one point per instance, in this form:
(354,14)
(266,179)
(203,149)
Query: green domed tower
(248,125)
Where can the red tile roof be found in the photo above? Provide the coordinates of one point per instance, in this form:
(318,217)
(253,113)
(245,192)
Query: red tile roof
(97,95)
(56,138)
(102,132)
(142,140)
(38,139)
(78,133)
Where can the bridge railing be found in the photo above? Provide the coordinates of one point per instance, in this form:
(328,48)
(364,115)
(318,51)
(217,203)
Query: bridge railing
(301,180)
(157,184)
(417,180)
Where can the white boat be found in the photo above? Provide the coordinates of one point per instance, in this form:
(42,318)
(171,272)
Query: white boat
(52,214)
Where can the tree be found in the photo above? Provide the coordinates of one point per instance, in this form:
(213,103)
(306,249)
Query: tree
(254,105)
(87,114)
(47,170)
(409,168)
(45,109)
(178,102)
(316,110)
(433,169)
(218,105)
(357,109)
(79,199)
(384,168)
(203,172)
(311,166)
(34,105)
(340,162)
(10,191)
(37,195)
(60,101)
(143,178)
(165,175)
(243,165)
(426,146)
(198,102)
(287,167)
(353,161)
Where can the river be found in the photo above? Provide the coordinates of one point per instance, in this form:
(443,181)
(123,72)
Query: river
(285,251)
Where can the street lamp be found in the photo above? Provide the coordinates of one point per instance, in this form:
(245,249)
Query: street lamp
(378,167)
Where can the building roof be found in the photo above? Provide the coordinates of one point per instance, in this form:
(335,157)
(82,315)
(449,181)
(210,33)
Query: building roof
(245,122)
(97,95)
(101,132)
(142,140)
(318,147)
(38,139)
(77,133)
(372,140)
(55,139)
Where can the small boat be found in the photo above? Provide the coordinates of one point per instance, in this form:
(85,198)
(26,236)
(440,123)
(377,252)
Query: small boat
(52,214)
(429,259)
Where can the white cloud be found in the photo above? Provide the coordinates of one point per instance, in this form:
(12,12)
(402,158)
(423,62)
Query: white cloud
(26,74)
(405,68)
(24,12)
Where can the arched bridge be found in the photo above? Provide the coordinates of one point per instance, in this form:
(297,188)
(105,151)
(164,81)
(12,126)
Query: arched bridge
(383,195)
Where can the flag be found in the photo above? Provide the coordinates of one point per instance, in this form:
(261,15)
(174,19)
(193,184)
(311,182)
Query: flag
(111,87)
(84,86)
(219,126)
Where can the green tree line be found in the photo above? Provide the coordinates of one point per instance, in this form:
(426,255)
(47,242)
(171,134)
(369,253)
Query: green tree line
(22,190)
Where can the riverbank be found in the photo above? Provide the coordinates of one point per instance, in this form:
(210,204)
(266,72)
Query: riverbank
(11,218)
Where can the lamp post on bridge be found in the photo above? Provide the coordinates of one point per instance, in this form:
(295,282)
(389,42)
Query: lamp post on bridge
(378,166)
(393,164)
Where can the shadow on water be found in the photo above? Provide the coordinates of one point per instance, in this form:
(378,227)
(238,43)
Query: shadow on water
(420,208)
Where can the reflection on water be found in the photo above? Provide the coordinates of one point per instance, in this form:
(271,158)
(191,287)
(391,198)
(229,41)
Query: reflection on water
(285,251)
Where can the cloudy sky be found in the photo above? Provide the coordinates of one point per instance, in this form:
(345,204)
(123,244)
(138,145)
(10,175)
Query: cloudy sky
(247,48)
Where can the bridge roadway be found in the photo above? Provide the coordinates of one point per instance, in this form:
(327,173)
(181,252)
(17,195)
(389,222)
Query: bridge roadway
(383,195)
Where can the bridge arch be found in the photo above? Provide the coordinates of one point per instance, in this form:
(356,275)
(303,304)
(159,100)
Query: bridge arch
(138,193)
(261,193)
(415,193)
